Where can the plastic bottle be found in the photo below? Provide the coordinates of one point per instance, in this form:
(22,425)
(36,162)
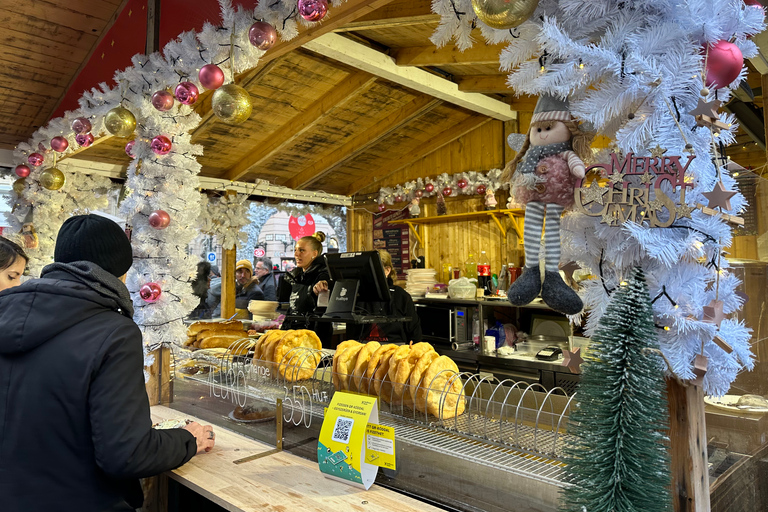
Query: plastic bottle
(476,332)
(483,271)
(469,267)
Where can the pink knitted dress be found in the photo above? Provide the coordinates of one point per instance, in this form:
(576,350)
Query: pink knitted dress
(557,185)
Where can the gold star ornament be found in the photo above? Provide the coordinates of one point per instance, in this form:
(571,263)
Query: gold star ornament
(658,151)
(719,197)
(684,211)
(593,193)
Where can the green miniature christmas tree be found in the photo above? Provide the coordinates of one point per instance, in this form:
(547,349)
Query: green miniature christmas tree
(616,451)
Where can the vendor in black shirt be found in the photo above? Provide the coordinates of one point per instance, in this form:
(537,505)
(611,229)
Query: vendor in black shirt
(400,305)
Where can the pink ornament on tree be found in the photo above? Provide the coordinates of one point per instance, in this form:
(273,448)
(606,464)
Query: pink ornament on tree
(161,145)
(262,35)
(398,198)
(59,144)
(22,171)
(447,191)
(382,207)
(159,219)
(211,76)
(84,139)
(129,148)
(35,159)
(480,189)
(313,10)
(724,63)
(81,125)
(463,183)
(186,93)
(150,292)
(428,188)
(162,101)
(418,193)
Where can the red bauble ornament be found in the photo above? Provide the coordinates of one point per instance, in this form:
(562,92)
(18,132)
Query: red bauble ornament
(382,207)
(161,145)
(186,93)
(81,125)
(463,183)
(129,148)
(262,35)
(447,191)
(35,159)
(418,192)
(159,219)
(428,188)
(59,144)
(84,139)
(162,101)
(22,171)
(313,10)
(756,3)
(724,63)
(150,292)
(480,189)
(398,199)
(211,76)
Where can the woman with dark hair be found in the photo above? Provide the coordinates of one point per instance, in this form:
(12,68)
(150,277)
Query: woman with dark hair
(200,287)
(310,270)
(13,261)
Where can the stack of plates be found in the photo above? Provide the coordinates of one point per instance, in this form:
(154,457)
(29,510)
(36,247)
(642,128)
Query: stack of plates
(262,309)
(420,281)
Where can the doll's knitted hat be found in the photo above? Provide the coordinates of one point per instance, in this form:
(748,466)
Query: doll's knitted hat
(550,108)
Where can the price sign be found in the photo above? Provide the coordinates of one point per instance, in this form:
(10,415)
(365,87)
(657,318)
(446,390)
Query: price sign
(259,252)
(211,256)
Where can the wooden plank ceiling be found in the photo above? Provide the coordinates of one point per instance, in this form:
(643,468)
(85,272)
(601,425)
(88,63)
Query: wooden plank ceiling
(319,123)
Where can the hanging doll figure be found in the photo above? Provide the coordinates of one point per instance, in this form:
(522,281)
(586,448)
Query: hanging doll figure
(543,176)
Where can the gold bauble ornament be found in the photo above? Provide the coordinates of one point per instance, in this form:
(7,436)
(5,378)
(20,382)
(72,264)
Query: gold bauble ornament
(18,186)
(120,122)
(52,179)
(232,104)
(504,14)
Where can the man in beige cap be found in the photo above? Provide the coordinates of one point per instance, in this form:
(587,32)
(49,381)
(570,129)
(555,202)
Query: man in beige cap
(247,286)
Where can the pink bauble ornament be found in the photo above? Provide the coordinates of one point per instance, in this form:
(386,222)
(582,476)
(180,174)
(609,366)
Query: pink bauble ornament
(81,125)
(480,189)
(447,191)
(159,219)
(398,198)
(22,171)
(84,139)
(161,145)
(313,10)
(129,148)
(756,3)
(150,292)
(211,76)
(59,144)
(382,207)
(428,188)
(724,63)
(463,183)
(162,101)
(35,159)
(418,192)
(262,35)
(186,93)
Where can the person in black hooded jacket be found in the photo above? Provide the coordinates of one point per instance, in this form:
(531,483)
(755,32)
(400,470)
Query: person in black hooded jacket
(75,426)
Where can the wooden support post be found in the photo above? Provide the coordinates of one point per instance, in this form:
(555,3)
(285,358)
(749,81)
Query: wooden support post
(159,384)
(688,447)
(228,261)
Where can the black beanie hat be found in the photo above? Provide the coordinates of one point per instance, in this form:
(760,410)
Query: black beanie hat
(96,239)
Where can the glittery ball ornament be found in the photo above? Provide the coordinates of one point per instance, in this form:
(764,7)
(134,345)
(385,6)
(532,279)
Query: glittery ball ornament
(480,189)
(18,186)
(159,219)
(81,125)
(382,207)
(59,144)
(262,35)
(462,183)
(52,179)
(162,101)
(35,159)
(232,104)
(22,171)
(504,14)
(129,148)
(428,188)
(161,145)
(211,76)
(84,139)
(418,192)
(186,93)
(447,191)
(120,122)
(724,63)
(150,292)
(313,10)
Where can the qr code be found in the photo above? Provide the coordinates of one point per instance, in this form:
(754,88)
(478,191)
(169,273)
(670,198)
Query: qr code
(342,429)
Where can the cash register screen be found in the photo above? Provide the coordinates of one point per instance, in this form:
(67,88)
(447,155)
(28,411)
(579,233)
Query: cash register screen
(364,267)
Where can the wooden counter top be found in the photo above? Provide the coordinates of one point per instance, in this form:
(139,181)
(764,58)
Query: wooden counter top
(278,482)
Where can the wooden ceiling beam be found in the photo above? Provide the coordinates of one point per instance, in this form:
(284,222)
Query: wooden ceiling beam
(298,125)
(438,141)
(486,84)
(479,54)
(352,53)
(399,13)
(358,144)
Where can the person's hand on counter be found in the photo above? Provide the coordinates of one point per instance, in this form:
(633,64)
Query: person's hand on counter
(204,436)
